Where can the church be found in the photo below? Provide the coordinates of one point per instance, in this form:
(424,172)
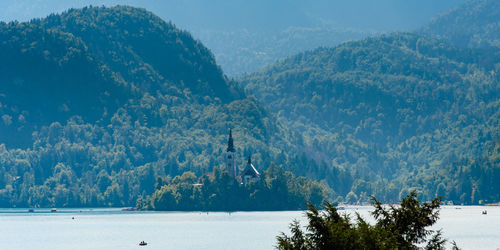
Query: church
(249,174)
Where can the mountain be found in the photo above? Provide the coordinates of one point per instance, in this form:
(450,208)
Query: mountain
(102,106)
(387,108)
(474,24)
(96,103)
(246,35)
(385,15)
(89,62)
(242,51)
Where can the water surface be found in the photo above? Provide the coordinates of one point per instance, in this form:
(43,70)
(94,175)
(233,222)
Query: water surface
(114,229)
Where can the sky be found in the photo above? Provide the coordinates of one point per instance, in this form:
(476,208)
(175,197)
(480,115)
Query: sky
(377,15)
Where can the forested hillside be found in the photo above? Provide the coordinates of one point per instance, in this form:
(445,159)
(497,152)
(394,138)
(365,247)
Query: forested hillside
(102,106)
(249,51)
(98,102)
(387,108)
(474,24)
(246,35)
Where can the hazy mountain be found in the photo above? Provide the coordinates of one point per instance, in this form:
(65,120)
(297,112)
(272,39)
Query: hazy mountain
(473,24)
(98,102)
(242,51)
(387,107)
(258,15)
(246,35)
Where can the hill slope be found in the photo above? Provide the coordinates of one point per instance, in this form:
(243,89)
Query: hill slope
(244,35)
(98,102)
(473,24)
(89,62)
(387,107)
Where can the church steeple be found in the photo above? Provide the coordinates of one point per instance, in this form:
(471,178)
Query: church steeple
(230,144)
(230,156)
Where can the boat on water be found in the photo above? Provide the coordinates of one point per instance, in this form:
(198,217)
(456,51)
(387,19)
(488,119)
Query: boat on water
(143,243)
(129,209)
(53,210)
(31,210)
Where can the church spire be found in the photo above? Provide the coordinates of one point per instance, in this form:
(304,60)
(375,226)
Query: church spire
(230,144)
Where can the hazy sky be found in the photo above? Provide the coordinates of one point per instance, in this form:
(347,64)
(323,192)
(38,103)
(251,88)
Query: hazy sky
(382,15)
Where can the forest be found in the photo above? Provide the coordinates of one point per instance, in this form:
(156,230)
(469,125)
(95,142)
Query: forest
(399,111)
(473,24)
(115,107)
(97,116)
(275,190)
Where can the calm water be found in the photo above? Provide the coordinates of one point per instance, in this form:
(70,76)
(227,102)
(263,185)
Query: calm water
(113,229)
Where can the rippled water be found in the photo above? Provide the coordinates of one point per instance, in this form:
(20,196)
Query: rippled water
(114,229)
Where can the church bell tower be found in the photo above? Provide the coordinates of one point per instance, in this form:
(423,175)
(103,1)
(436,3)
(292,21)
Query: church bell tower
(230,156)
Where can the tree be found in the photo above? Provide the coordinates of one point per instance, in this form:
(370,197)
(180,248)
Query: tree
(397,227)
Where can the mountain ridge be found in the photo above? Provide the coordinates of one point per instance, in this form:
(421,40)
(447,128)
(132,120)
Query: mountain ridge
(473,24)
(173,110)
(386,107)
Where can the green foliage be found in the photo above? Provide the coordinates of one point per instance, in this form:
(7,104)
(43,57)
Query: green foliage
(276,190)
(97,103)
(473,24)
(243,51)
(392,111)
(92,61)
(397,227)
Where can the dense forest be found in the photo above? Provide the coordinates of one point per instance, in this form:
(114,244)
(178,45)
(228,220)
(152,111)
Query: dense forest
(96,103)
(116,107)
(246,35)
(248,50)
(473,24)
(275,190)
(389,107)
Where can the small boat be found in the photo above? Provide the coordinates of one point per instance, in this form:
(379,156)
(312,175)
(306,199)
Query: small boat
(143,243)
(53,210)
(129,209)
(31,210)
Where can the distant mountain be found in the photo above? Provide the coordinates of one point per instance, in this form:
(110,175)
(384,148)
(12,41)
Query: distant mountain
(100,106)
(386,107)
(246,35)
(95,103)
(473,24)
(242,51)
(260,15)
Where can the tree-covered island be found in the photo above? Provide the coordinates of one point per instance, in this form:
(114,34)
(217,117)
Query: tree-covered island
(227,189)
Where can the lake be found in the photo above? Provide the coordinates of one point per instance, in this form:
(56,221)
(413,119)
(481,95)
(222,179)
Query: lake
(114,229)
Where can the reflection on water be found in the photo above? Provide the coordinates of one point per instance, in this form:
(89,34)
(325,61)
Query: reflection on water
(103,228)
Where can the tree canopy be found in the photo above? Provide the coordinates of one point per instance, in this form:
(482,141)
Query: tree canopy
(397,227)
(275,190)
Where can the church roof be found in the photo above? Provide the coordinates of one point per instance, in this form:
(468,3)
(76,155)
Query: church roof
(250,169)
